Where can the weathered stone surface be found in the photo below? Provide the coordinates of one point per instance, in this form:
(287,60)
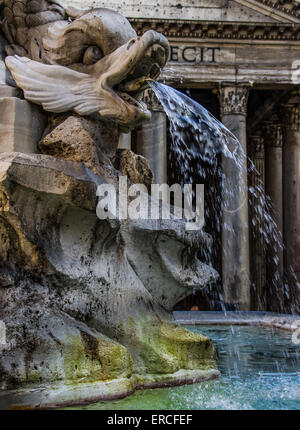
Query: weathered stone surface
(81,302)
(81,139)
(58,348)
(135,167)
(21,124)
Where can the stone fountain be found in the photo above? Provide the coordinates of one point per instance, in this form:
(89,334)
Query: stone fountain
(85,303)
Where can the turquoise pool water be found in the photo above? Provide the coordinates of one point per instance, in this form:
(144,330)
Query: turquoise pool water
(260,370)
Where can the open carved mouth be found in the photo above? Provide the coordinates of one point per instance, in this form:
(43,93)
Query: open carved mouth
(138,61)
(149,68)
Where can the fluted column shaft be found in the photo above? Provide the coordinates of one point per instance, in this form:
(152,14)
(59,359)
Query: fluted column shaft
(274,189)
(152,139)
(235,234)
(258,265)
(273,151)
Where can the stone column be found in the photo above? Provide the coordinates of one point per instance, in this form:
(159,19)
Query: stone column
(235,234)
(125,141)
(151,140)
(274,189)
(256,178)
(291,195)
(21,123)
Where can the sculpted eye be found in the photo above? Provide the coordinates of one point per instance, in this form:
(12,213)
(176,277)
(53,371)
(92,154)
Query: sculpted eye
(92,55)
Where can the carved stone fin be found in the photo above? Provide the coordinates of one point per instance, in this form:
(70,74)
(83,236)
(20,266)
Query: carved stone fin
(58,89)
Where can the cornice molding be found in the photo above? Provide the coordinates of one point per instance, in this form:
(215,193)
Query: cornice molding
(218,29)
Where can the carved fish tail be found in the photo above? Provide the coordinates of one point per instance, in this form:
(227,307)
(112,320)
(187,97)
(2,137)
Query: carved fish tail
(17,16)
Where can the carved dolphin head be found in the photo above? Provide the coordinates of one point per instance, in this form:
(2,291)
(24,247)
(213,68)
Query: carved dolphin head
(92,63)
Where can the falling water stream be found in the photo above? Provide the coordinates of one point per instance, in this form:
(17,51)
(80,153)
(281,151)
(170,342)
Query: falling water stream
(199,144)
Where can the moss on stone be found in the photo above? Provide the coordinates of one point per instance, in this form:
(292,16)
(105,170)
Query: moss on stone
(89,358)
(162,347)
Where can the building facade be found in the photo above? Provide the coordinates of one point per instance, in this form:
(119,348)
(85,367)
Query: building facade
(241,60)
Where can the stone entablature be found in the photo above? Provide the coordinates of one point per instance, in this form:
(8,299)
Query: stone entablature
(218,29)
(213,10)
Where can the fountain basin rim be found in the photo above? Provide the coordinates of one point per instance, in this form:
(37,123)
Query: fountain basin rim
(63,395)
(238,318)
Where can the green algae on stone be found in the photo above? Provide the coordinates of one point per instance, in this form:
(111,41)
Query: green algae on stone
(162,347)
(90,358)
